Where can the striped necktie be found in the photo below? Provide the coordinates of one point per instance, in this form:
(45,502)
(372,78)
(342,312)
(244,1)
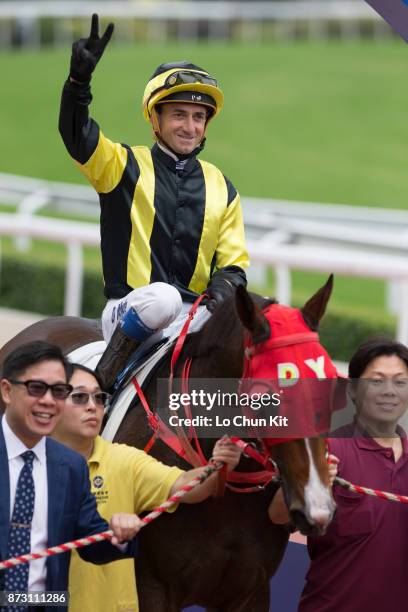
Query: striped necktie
(16,578)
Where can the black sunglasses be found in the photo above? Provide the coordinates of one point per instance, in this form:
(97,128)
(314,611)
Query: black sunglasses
(81,398)
(38,388)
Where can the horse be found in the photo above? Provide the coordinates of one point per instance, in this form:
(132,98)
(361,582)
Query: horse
(221,553)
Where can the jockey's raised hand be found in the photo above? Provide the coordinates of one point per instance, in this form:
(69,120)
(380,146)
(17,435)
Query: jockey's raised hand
(86,52)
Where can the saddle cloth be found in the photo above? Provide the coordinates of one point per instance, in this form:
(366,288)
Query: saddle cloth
(89,355)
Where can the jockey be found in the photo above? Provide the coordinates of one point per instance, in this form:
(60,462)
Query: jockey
(171,225)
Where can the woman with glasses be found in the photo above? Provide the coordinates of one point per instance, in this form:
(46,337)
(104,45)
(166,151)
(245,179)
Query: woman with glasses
(171,225)
(122,477)
(82,416)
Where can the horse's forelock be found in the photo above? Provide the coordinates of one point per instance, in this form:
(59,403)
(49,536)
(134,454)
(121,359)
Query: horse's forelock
(217,332)
(262,302)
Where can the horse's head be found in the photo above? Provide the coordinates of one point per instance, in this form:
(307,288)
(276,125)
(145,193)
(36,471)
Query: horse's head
(282,344)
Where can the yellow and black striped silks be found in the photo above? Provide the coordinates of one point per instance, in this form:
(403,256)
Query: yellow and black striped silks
(157,223)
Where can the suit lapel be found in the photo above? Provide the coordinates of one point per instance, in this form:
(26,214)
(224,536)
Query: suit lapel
(4,495)
(57,481)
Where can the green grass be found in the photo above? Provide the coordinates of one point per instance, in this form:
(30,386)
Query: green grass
(44,252)
(356,297)
(303,121)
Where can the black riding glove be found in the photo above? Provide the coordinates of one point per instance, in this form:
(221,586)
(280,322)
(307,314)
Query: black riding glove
(87,52)
(218,289)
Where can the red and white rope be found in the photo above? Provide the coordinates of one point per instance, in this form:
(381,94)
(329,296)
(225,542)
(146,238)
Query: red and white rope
(403,499)
(174,499)
(106,535)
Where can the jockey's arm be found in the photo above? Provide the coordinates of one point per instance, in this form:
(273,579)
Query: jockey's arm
(79,133)
(278,511)
(231,258)
(75,125)
(100,160)
(224,451)
(231,254)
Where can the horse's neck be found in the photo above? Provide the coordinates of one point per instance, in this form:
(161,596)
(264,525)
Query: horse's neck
(217,349)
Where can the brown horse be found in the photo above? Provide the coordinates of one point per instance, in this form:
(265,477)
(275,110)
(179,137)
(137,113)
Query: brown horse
(221,553)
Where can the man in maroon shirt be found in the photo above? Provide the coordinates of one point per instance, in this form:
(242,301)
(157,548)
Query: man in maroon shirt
(361,563)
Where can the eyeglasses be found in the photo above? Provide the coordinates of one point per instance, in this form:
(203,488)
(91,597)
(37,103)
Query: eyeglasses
(38,388)
(187,78)
(379,383)
(80,398)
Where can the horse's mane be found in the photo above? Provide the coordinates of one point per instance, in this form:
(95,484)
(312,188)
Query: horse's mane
(223,330)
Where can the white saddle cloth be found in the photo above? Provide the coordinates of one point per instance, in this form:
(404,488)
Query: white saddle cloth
(89,355)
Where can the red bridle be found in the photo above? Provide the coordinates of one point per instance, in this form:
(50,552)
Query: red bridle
(181,443)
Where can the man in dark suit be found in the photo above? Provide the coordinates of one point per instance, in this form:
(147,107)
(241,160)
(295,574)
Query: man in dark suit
(44,481)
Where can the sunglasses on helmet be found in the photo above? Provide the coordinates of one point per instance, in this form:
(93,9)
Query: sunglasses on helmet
(81,398)
(38,388)
(187,78)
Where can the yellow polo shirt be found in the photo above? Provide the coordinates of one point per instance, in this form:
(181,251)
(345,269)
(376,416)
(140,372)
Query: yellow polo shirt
(123,479)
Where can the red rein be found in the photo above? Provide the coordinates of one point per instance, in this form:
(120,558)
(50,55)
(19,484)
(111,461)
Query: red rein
(181,444)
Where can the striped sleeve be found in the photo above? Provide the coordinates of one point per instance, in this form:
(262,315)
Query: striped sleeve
(100,160)
(105,167)
(78,131)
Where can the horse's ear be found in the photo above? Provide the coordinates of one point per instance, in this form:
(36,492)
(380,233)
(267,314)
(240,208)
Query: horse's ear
(251,316)
(315,308)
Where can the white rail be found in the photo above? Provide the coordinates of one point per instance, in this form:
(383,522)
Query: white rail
(382,227)
(314,16)
(73,234)
(187,11)
(273,222)
(76,234)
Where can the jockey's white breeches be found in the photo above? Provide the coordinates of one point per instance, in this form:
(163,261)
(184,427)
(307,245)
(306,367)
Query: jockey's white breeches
(157,306)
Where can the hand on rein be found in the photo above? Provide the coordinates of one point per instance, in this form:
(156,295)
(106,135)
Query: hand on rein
(333,462)
(225,451)
(125,526)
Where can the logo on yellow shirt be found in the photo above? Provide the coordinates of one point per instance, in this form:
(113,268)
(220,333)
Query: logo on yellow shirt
(100,490)
(97,482)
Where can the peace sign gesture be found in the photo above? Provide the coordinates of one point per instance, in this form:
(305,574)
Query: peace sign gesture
(86,52)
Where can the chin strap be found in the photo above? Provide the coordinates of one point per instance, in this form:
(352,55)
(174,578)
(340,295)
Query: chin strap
(155,123)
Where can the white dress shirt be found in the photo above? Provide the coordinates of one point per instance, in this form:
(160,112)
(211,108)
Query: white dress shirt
(39,527)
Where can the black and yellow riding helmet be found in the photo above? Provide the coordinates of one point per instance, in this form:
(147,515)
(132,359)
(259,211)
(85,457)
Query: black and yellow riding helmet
(180,82)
